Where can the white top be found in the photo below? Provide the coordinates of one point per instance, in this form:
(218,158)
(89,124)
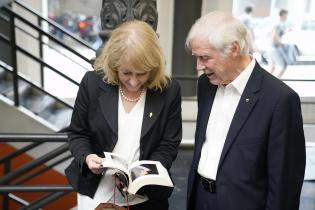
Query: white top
(222,112)
(128,146)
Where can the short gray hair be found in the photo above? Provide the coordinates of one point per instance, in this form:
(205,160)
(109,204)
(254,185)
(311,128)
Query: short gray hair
(221,30)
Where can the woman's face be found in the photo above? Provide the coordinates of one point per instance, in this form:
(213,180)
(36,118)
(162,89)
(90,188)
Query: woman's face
(132,81)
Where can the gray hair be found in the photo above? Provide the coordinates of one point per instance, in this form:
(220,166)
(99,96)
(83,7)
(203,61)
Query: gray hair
(221,30)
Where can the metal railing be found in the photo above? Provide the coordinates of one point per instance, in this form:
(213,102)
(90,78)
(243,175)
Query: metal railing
(12,180)
(11,19)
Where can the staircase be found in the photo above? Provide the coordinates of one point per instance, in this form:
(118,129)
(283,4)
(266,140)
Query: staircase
(36,100)
(25,69)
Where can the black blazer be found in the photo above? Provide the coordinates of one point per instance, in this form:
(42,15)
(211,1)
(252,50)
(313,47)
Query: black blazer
(263,159)
(94,128)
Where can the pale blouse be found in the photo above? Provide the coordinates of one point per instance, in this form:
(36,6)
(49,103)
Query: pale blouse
(128,146)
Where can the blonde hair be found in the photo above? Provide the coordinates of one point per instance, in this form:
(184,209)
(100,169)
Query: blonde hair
(136,45)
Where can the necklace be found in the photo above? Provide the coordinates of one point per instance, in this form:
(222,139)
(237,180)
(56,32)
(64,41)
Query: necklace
(130,99)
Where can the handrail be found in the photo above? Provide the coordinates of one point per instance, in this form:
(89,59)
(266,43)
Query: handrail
(36,188)
(9,68)
(11,181)
(19,152)
(47,167)
(47,65)
(40,30)
(48,45)
(33,137)
(54,24)
(43,201)
(34,163)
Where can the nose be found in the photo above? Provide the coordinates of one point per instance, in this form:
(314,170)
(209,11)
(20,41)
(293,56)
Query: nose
(200,65)
(134,81)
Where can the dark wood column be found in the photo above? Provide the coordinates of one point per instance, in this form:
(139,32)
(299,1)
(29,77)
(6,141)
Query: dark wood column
(186,13)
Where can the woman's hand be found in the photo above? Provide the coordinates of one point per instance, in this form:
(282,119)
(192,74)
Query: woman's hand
(94,163)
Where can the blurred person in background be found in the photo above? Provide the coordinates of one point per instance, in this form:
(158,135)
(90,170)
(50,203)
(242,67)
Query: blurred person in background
(247,20)
(281,54)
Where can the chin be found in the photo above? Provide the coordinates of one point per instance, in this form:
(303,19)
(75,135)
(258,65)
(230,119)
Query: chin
(132,89)
(214,82)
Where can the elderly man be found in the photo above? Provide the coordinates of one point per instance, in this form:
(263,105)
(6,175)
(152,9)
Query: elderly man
(249,142)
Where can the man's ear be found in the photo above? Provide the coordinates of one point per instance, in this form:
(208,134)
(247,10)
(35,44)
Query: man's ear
(235,48)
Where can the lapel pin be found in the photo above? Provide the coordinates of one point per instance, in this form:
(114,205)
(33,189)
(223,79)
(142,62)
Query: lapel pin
(247,100)
(151,114)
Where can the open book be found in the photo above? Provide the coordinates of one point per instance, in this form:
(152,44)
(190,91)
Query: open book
(139,173)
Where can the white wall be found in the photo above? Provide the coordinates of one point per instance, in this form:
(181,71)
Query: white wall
(20,120)
(211,5)
(165,29)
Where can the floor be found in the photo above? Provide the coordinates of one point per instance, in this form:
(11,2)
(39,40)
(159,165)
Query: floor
(180,173)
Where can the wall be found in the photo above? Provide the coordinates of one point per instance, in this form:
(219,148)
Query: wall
(165,29)
(19,120)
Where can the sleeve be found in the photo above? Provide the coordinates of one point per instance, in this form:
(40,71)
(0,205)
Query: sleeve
(167,150)
(286,155)
(79,132)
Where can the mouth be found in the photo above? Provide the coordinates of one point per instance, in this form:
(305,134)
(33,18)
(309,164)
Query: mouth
(209,74)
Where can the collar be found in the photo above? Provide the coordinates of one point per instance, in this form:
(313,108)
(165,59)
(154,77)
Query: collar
(241,80)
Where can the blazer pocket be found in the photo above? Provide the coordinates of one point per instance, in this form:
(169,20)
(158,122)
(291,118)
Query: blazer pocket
(72,173)
(251,160)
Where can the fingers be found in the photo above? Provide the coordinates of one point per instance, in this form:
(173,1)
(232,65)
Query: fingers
(94,163)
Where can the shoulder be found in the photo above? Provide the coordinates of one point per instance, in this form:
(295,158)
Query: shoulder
(173,85)
(173,88)
(170,92)
(92,76)
(91,79)
(275,88)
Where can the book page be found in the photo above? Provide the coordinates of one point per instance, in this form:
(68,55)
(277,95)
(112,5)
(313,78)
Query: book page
(148,172)
(116,162)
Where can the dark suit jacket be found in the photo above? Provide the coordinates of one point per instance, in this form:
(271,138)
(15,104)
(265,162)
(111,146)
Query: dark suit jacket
(94,129)
(263,159)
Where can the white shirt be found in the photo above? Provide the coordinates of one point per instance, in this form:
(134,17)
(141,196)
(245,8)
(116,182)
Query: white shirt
(222,112)
(128,146)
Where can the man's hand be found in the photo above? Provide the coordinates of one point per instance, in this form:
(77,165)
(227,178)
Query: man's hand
(94,163)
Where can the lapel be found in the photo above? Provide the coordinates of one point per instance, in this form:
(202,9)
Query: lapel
(206,107)
(109,105)
(152,109)
(246,104)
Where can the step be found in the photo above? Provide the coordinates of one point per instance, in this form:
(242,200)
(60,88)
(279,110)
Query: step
(22,88)
(58,115)
(37,103)
(62,118)
(2,72)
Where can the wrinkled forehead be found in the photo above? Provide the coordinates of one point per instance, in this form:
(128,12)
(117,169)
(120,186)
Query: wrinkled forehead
(200,43)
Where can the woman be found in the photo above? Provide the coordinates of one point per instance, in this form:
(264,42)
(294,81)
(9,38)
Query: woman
(129,106)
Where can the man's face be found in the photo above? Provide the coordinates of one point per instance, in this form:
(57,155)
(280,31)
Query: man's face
(212,63)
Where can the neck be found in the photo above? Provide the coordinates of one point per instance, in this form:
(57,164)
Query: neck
(128,98)
(243,62)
